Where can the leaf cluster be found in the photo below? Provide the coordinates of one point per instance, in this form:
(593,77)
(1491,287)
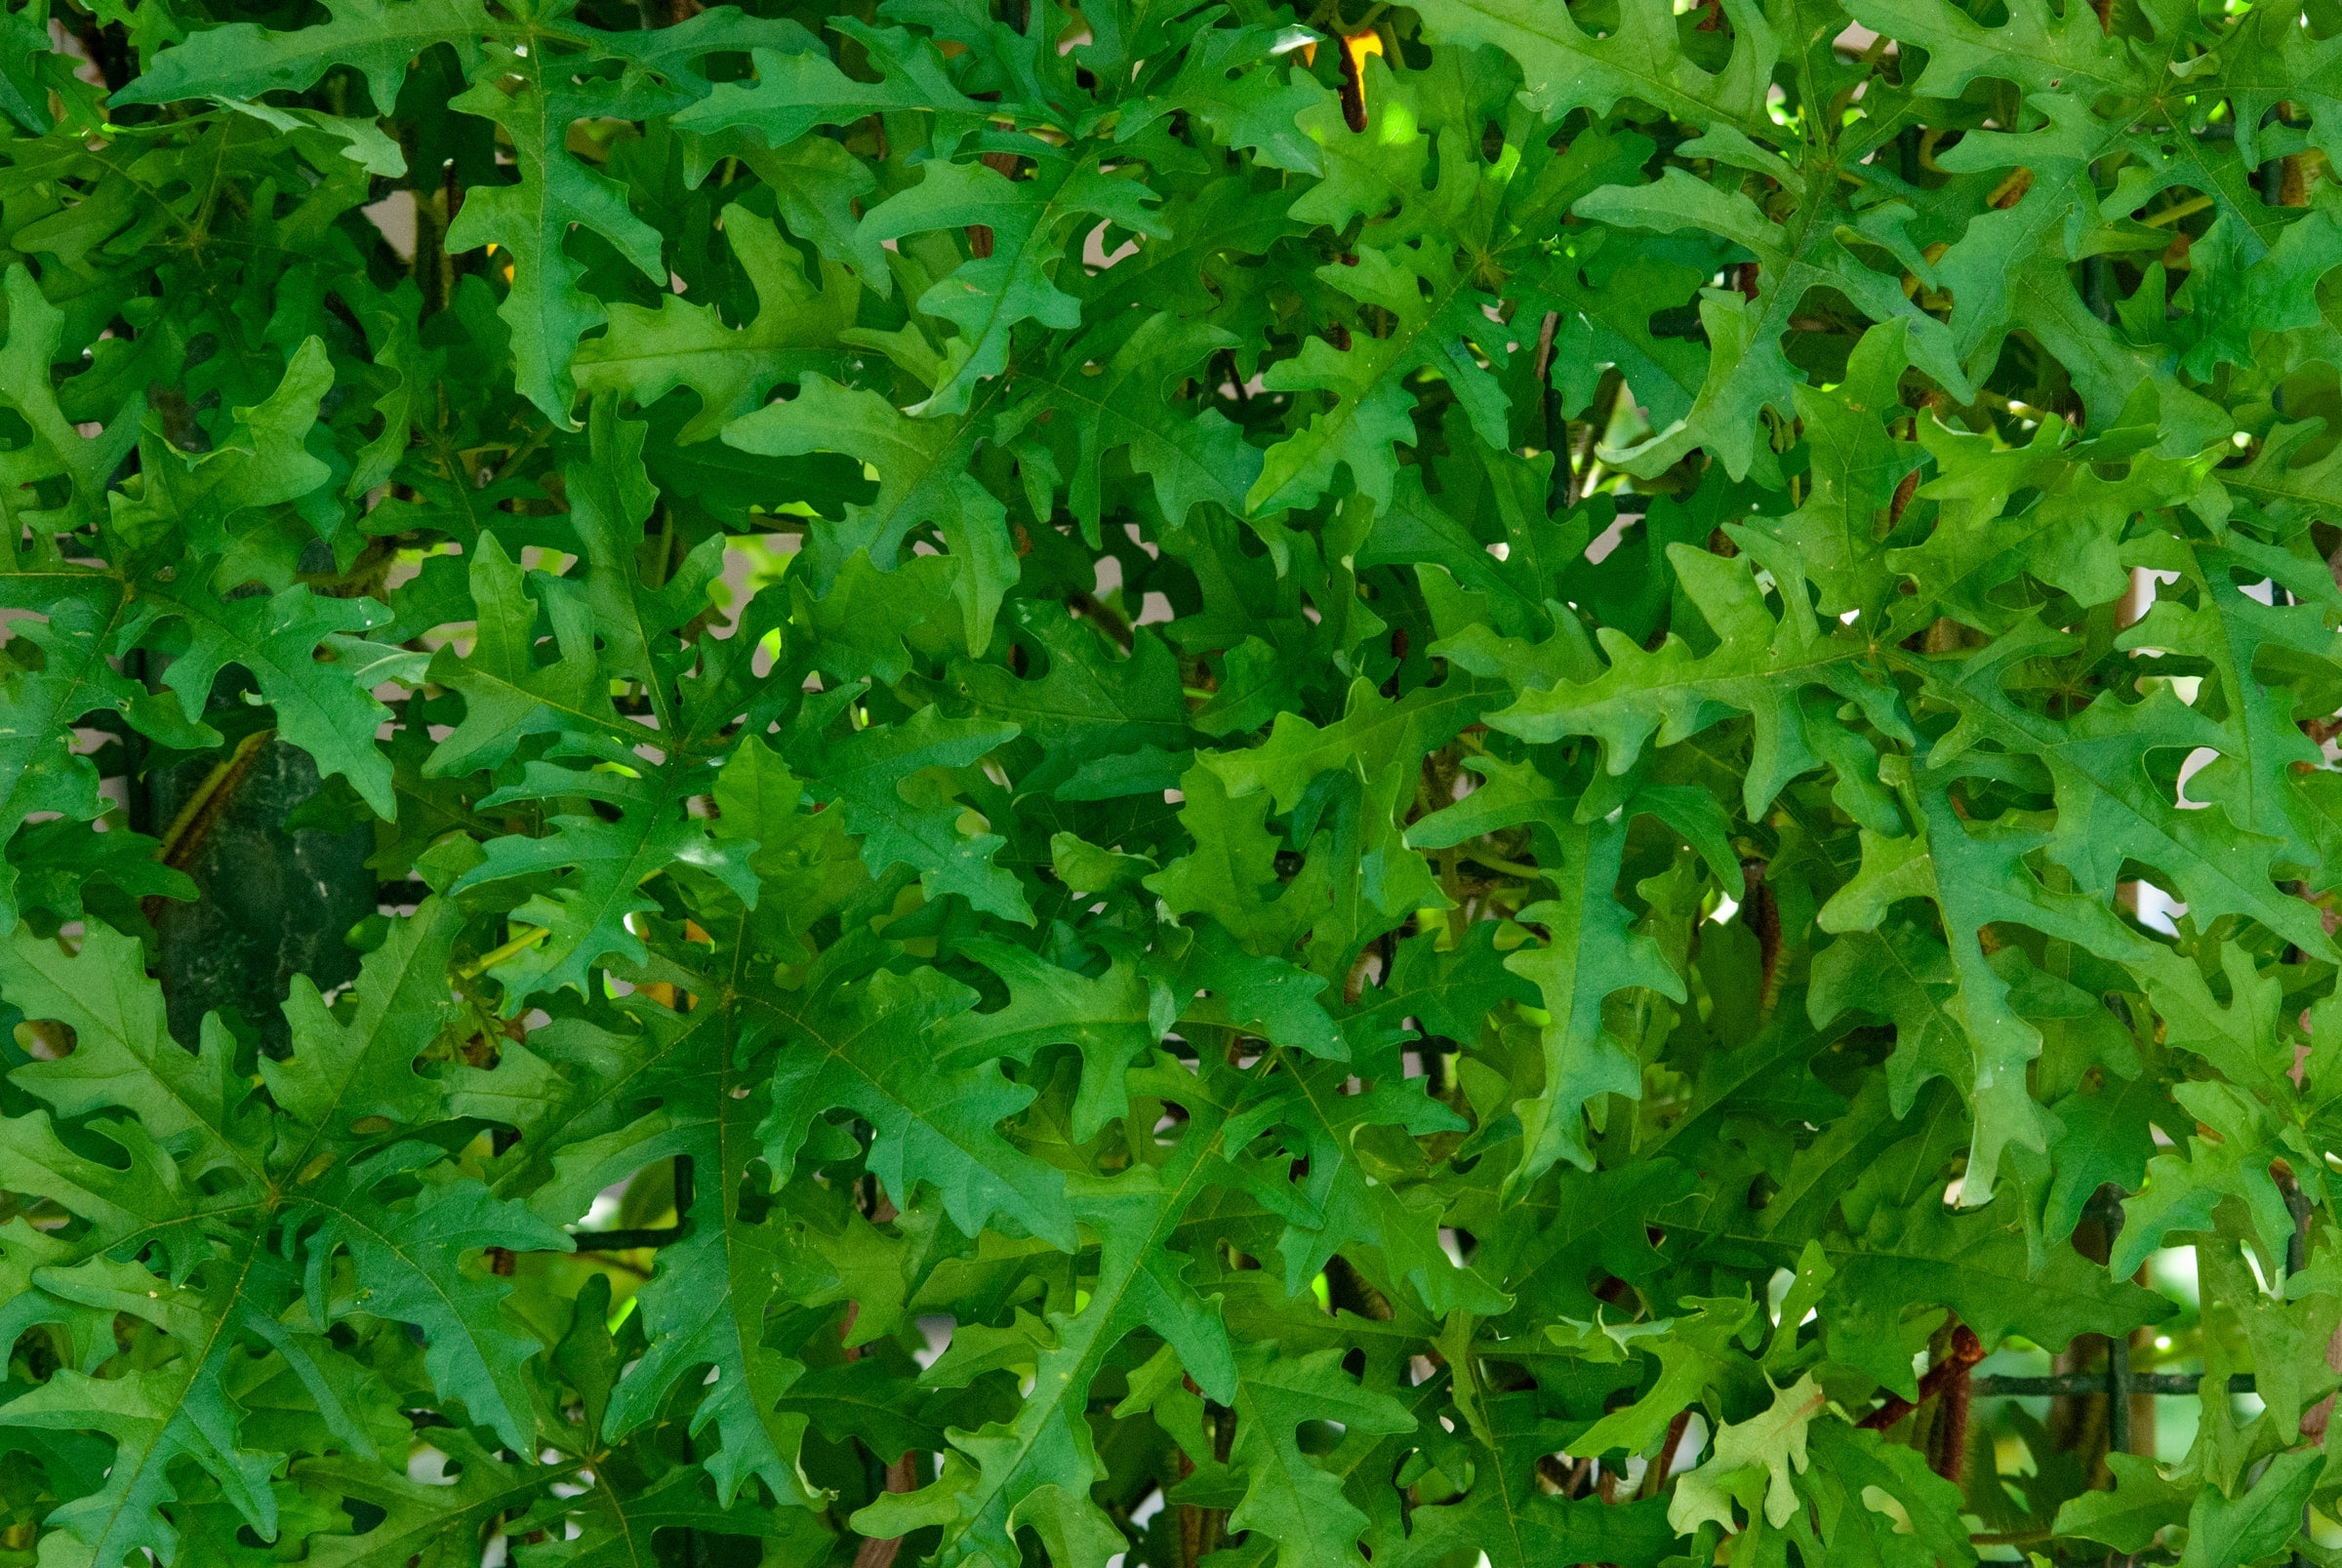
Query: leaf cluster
(1167,782)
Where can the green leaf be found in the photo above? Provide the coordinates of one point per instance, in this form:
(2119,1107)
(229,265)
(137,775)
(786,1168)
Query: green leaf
(155,1418)
(546,310)
(584,878)
(378,41)
(903,811)
(315,675)
(1566,67)
(123,1058)
(39,708)
(1439,321)
(1765,1452)
(1517,1522)
(1591,951)
(2128,1517)
(861,1048)
(35,334)
(987,297)
(923,478)
(410,1265)
(1229,872)
(2258,1524)
(1110,1020)
(508,693)
(1693,1355)
(648,353)
(1113,399)
(1288,1498)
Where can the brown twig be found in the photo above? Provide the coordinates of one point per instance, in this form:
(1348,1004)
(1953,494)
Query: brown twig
(877,1554)
(1965,1351)
(1110,620)
(1903,491)
(1656,1477)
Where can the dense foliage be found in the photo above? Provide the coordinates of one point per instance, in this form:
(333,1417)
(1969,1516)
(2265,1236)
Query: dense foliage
(1444,785)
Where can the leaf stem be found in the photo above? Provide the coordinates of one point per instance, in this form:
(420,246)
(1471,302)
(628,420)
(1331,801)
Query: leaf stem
(2177,211)
(193,821)
(1497,862)
(518,944)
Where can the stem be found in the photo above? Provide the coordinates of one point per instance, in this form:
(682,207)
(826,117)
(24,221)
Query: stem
(518,944)
(195,820)
(1497,862)
(2177,211)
